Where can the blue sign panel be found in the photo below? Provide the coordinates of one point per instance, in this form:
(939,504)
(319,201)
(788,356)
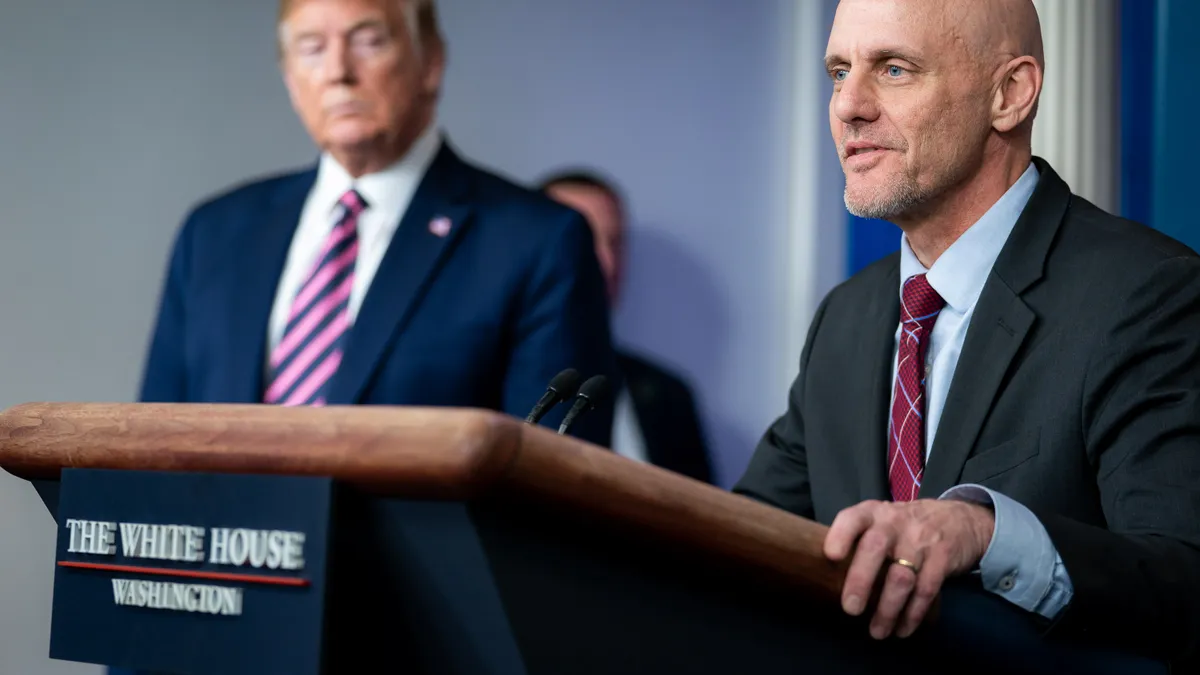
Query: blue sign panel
(191,573)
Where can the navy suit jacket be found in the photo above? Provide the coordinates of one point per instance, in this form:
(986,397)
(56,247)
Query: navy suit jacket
(482,317)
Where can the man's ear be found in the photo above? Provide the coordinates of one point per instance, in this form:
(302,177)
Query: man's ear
(1016,94)
(434,67)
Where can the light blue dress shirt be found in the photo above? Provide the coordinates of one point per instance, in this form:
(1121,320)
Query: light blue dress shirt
(1021,563)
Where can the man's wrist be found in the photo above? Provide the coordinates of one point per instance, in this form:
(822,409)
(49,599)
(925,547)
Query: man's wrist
(984,522)
(983,515)
(1020,563)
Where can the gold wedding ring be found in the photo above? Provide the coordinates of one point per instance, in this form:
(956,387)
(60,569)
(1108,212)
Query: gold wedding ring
(906,563)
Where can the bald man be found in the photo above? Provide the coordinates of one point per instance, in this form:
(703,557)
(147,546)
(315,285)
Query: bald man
(1014,397)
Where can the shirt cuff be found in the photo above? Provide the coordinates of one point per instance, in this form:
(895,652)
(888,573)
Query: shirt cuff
(1021,564)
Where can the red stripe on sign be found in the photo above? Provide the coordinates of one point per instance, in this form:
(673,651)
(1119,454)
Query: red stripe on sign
(193,574)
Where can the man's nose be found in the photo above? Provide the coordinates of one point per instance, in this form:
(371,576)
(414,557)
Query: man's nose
(855,100)
(339,65)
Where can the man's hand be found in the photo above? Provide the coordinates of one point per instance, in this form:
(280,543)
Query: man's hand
(938,538)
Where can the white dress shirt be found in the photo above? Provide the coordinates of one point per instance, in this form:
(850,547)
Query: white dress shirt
(958,276)
(387,193)
(627,438)
(1021,563)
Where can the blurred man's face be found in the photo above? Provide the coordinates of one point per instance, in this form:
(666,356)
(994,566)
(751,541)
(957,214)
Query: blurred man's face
(604,216)
(909,111)
(355,76)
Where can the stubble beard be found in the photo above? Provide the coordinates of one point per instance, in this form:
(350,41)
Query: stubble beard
(899,195)
(902,193)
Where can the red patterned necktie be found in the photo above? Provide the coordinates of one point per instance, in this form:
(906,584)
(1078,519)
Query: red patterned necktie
(310,350)
(919,309)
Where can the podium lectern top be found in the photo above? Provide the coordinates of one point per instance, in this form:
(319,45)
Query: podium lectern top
(429,453)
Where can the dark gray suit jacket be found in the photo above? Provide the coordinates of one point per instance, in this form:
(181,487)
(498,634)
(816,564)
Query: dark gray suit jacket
(668,417)
(1077,394)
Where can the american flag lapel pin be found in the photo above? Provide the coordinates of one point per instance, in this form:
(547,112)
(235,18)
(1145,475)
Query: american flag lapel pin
(440,226)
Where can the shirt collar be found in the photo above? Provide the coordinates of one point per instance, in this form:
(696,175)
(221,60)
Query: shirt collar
(387,191)
(959,273)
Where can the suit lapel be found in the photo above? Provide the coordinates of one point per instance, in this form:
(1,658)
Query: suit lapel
(998,328)
(644,391)
(877,344)
(411,260)
(256,283)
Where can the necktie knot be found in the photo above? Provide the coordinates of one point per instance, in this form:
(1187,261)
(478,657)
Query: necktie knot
(919,302)
(353,202)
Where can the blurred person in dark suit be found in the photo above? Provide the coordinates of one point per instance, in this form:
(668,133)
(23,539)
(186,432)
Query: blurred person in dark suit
(656,418)
(390,272)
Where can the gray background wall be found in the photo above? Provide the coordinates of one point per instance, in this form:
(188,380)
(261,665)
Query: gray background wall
(681,101)
(118,115)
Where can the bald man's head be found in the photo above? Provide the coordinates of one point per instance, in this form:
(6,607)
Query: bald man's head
(928,94)
(995,30)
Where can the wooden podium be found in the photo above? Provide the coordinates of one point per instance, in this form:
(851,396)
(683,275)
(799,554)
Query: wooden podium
(463,541)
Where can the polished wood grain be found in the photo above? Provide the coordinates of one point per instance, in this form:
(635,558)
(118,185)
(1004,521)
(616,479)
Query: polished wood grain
(676,508)
(421,452)
(426,452)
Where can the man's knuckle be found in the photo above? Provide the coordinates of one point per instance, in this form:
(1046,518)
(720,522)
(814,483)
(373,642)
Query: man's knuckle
(859,581)
(848,515)
(874,539)
(920,533)
(901,576)
(928,588)
(933,547)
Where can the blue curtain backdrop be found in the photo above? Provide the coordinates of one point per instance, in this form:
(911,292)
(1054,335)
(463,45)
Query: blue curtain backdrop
(1175,99)
(1136,39)
(870,240)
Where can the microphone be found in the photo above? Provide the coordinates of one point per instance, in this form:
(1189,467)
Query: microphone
(562,387)
(589,395)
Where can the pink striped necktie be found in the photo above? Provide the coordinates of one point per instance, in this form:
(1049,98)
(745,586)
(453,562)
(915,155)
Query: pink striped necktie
(310,350)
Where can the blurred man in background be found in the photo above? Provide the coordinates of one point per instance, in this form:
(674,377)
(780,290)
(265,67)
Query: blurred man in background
(392,271)
(656,418)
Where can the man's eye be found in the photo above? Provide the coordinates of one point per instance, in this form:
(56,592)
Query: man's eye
(307,47)
(895,71)
(370,41)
